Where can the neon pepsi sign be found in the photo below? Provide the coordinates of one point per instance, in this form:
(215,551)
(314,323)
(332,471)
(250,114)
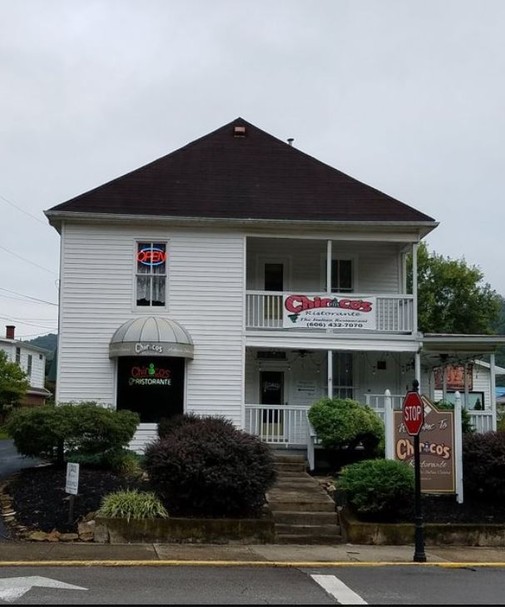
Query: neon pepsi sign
(151,256)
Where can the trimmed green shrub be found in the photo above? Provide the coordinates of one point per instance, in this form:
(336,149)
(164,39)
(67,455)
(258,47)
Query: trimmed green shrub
(123,461)
(210,468)
(132,504)
(345,424)
(55,431)
(484,465)
(378,489)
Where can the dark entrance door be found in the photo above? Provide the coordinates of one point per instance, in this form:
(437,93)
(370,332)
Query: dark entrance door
(153,387)
(272,393)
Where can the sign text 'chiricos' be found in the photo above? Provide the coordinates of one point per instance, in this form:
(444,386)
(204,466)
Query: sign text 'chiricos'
(324,312)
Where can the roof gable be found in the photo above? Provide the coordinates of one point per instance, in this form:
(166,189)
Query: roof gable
(242,173)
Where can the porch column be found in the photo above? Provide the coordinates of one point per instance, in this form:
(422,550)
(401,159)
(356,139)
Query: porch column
(329,255)
(492,378)
(414,290)
(417,370)
(330,373)
(465,385)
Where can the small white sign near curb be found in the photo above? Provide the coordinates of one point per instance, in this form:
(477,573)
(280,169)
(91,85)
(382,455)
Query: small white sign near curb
(72,484)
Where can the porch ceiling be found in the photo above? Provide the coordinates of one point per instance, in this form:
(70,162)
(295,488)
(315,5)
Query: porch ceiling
(446,348)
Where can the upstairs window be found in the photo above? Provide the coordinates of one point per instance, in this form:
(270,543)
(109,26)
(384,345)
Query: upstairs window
(18,355)
(341,276)
(151,273)
(29,365)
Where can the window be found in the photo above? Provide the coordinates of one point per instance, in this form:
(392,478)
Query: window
(29,365)
(151,273)
(341,276)
(18,355)
(342,375)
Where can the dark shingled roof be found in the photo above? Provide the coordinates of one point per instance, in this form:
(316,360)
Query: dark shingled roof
(254,176)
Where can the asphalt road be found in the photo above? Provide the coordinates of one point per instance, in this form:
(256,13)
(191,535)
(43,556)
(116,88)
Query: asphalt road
(265,585)
(11,462)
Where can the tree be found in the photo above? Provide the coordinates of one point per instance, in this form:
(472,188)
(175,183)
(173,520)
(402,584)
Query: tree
(452,297)
(13,384)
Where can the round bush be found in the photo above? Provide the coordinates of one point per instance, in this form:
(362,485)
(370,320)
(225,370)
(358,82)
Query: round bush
(346,423)
(381,489)
(210,468)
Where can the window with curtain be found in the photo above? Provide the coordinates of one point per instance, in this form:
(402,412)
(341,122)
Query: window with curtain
(151,273)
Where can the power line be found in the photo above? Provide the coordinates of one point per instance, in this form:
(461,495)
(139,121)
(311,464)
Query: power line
(29,297)
(22,210)
(28,261)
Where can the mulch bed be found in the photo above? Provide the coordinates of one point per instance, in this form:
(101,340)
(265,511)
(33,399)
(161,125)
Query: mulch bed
(41,503)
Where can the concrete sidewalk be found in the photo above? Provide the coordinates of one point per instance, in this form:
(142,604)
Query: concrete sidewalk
(280,555)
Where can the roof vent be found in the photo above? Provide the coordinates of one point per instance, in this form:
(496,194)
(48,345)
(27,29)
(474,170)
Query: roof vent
(290,140)
(239,131)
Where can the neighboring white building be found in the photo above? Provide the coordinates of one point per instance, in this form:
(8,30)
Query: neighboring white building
(33,362)
(476,392)
(238,276)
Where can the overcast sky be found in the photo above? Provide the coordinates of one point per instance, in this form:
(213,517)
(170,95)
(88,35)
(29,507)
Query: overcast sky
(407,96)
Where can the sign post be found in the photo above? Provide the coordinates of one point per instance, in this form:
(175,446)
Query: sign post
(413,418)
(72,487)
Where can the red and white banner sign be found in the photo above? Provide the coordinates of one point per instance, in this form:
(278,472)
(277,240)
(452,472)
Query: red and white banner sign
(329,312)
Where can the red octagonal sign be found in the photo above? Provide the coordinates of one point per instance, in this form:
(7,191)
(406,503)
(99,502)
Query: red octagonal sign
(413,413)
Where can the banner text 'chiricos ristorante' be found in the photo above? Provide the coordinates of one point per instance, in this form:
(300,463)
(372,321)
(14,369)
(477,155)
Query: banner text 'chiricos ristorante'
(329,312)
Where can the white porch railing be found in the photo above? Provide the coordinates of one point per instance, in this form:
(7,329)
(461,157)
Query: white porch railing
(481,421)
(288,425)
(395,313)
(278,424)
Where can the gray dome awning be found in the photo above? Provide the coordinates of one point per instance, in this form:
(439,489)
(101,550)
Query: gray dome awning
(151,336)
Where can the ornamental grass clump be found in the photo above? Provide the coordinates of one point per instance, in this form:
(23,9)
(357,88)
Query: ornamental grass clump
(132,504)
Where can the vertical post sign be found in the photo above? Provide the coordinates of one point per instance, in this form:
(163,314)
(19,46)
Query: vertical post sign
(72,487)
(413,418)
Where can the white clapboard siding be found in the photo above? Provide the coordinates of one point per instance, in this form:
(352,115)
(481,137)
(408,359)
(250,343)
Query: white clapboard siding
(207,297)
(97,281)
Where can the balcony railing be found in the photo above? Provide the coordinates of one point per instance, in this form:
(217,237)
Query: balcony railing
(394,313)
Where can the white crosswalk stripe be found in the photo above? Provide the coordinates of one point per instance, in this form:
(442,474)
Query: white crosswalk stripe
(337,588)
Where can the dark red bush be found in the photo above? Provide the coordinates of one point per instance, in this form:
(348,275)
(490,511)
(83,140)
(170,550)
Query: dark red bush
(210,468)
(484,465)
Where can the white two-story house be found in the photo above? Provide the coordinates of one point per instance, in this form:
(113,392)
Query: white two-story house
(238,276)
(32,361)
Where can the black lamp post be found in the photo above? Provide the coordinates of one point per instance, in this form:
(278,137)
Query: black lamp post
(419,554)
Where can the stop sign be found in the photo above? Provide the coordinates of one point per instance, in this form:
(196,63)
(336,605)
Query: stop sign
(413,413)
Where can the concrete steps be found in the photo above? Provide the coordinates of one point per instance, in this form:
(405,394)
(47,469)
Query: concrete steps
(302,510)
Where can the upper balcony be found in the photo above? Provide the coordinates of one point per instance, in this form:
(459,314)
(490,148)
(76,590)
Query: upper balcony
(347,286)
(392,314)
